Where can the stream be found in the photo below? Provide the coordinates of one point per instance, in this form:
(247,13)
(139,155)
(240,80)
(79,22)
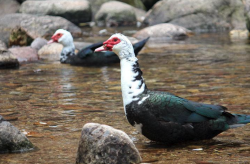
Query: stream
(51,101)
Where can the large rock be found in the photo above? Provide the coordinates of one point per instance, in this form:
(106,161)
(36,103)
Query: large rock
(100,144)
(163,31)
(8,7)
(11,139)
(198,14)
(76,11)
(24,54)
(7,60)
(116,13)
(35,26)
(96,4)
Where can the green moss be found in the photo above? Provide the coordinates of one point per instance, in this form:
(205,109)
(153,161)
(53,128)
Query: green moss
(18,36)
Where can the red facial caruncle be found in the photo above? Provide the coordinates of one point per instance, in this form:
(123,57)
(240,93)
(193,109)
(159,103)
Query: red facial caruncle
(108,45)
(56,37)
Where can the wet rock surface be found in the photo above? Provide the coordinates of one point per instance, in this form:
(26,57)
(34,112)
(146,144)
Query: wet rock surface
(8,60)
(24,54)
(120,15)
(104,144)
(77,11)
(11,139)
(35,26)
(199,14)
(165,31)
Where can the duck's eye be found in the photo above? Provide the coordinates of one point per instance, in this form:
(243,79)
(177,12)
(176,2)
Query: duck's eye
(115,39)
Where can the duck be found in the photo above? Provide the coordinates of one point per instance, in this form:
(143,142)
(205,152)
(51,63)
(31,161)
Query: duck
(86,56)
(162,116)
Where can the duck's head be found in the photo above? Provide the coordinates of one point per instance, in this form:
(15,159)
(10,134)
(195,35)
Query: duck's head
(119,44)
(62,36)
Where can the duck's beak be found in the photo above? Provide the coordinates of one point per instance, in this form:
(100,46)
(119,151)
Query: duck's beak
(50,41)
(102,48)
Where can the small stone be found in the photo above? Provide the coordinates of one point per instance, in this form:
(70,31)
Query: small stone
(104,144)
(38,43)
(11,139)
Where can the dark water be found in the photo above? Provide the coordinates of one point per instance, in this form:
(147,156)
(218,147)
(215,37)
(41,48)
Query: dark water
(52,101)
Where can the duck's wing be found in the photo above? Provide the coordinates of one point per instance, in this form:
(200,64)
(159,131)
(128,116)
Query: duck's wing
(139,45)
(89,50)
(171,108)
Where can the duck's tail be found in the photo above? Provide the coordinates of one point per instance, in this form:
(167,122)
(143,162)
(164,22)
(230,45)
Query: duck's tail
(241,120)
(138,46)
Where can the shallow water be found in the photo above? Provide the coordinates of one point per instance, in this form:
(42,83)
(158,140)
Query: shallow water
(52,101)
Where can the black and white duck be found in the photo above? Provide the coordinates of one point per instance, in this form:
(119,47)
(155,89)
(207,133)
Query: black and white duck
(162,116)
(86,56)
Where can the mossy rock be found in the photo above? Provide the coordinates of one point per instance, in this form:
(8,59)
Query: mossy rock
(19,37)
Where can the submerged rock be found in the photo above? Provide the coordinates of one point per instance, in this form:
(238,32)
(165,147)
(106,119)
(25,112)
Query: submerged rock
(11,139)
(116,13)
(35,26)
(199,14)
(8,60)
(101,144)
(163,31)
(76,11)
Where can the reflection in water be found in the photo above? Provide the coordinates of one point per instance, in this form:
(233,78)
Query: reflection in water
(52,101)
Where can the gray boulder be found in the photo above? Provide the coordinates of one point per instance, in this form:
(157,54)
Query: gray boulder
(11,139)
(8,7)
(24,54)
(116,13)
(76,11)
(165,31)
(102,144)
(34,25)
(198,14)
(96,4)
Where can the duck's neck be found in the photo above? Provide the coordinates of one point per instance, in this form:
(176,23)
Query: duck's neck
(67,51)
(132,82)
